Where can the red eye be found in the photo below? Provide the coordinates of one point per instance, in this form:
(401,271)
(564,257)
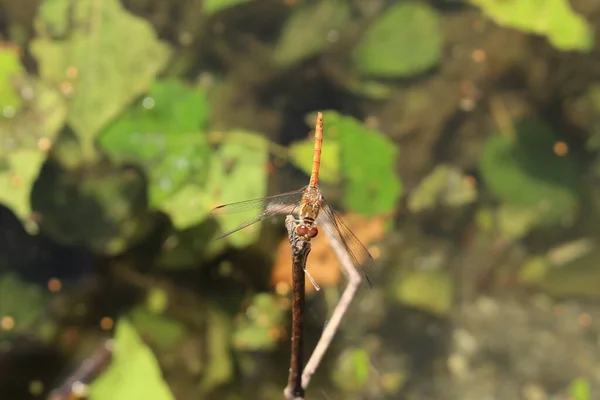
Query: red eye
(312,232)
(301,230)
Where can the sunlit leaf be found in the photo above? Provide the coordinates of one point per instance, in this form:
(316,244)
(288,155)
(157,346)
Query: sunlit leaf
(214,6)
(10,67)
(308,30)
(404,41)
(133,373)
(368,161)
(164,132)
(107,55)
(525,172)
(239,172)
(555,19)
(301,155)
(16,178)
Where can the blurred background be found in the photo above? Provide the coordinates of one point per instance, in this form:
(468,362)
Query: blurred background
(461,145)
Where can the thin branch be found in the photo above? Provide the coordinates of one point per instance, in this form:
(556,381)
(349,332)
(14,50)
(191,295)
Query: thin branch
(300,250)
(331,328)
(85,373)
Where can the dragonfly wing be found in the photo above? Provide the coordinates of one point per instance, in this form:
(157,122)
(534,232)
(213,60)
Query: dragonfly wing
(285,203)
(360,256)
(263,203)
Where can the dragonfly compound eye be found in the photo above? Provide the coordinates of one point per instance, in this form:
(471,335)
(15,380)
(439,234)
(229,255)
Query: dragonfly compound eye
(312,232)
(301,230)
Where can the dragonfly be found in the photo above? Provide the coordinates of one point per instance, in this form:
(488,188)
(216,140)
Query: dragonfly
(310,208)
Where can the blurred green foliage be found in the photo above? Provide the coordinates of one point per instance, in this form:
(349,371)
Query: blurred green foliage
(307,31)
(10,69)
(525,172)
(580,389)
(24,302)
(164,132)
(254,330)
(215,6)
(555,19)
(352,369)
(133,373)
(432,291)
(404,41)
(104,70)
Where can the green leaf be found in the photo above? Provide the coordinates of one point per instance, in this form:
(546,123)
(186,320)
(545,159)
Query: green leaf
(164,133)
(17,177)
(368,161)
(215,6)
(308,30)
(10,68)
(406,40)
(526,172)
(133,373)
(24,302)
(444,186)
(565,29)
(301,155)
(237,172)
(253,331)
(115,54)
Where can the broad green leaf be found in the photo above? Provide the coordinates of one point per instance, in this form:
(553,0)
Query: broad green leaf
(301,155)
(254,330)
(24,140)
(24,302)
(404,41)
(17,175)
(188,206)
(352,370)
(133,373)
(239,172)
(215,6)
(112,55)
(525,172)
(565,29)
(368,161)
(10,68)
(164,133)
(432,291)
(309,30)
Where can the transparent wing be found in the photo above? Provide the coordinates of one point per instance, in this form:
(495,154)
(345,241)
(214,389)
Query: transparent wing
(360,256)
(285,203)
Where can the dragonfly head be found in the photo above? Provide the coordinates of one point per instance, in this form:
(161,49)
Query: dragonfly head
(306,232)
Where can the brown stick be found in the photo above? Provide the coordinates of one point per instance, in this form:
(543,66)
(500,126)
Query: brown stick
(300,250)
